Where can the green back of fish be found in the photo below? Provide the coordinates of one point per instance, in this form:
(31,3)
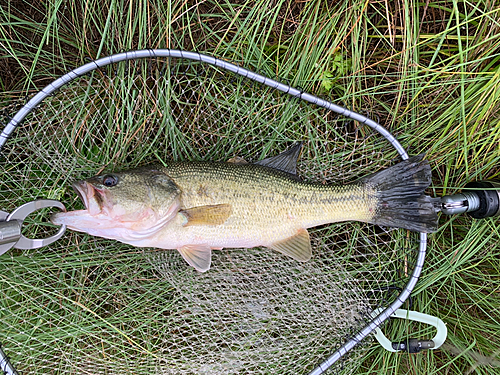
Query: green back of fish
(261,196)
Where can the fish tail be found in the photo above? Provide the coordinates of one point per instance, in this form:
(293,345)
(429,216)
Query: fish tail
(401,201)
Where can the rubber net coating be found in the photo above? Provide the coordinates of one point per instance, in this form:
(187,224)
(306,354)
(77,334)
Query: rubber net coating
(89,305)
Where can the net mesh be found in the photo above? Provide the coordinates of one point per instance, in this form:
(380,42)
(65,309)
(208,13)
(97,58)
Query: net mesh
(86,305)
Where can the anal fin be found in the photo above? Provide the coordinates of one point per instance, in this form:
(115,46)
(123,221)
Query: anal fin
(197,256)
(298,246)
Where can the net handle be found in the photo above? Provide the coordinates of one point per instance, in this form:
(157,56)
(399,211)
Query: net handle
(195,56)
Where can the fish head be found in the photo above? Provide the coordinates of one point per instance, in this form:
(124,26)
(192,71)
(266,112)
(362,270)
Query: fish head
(138,200)
(128,196)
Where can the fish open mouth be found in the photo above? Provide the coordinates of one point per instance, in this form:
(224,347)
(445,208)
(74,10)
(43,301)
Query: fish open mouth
(81,190)
(78,188)
(89,196)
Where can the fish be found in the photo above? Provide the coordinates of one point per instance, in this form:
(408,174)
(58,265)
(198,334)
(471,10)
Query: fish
(196,207)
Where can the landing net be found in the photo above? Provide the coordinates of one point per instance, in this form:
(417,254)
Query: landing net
(86,305)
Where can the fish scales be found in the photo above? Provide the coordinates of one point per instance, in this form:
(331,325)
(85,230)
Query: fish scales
(268,205)
(196,207)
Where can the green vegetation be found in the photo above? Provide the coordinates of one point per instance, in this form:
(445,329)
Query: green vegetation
(429,72)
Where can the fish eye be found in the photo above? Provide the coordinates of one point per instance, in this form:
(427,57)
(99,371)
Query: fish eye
(109,180)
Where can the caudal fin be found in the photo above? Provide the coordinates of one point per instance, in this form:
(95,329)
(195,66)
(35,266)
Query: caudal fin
(401,199)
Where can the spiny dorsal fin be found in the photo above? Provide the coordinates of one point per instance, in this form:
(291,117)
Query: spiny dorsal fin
(298,247)
(286,161)
(197,256)
(207,215)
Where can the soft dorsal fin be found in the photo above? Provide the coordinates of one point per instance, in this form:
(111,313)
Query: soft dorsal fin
(298,247)
(286,161)
(237,160)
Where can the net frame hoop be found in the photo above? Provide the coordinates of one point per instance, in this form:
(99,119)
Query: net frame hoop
(195,56)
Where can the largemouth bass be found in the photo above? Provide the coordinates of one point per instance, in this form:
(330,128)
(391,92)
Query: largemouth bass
(196,207)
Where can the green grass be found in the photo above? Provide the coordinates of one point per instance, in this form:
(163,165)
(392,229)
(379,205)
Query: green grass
(429,72)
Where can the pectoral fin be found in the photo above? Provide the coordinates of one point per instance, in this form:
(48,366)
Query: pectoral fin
(298,247)
(197,256)
(207,215)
